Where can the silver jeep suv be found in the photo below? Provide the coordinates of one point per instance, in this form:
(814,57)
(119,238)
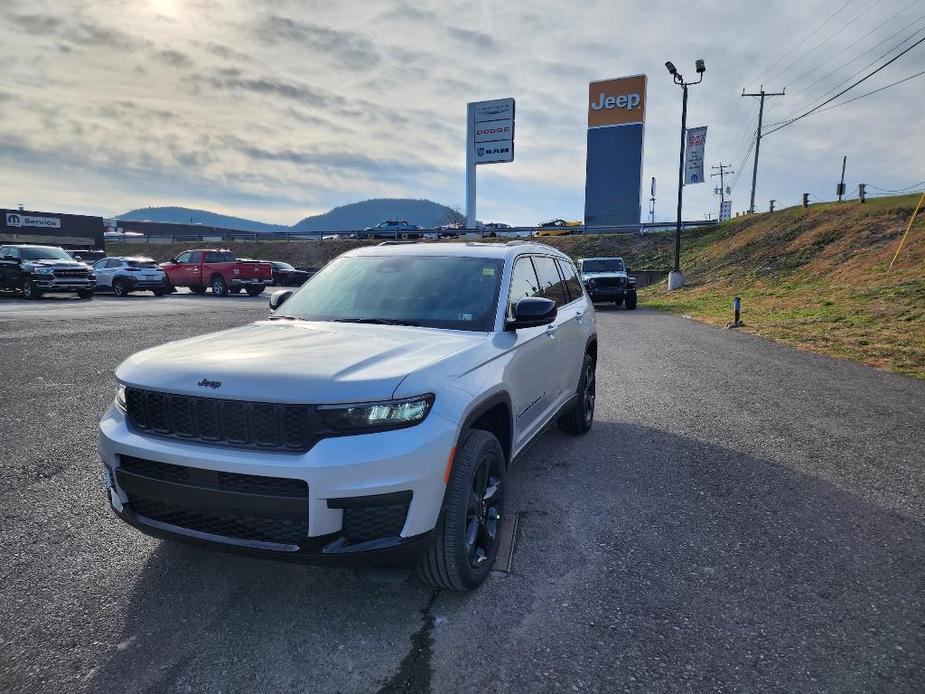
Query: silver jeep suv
(372,418)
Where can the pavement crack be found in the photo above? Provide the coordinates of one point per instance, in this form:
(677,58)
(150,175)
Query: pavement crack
(414,672)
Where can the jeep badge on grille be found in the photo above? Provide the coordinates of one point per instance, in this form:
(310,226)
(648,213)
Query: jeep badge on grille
(206,383)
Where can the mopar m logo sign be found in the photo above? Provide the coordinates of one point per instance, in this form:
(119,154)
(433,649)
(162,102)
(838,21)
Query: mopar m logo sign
(206,383)
(18,220)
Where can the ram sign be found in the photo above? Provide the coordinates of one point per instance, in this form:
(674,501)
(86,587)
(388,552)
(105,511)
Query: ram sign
(613,172)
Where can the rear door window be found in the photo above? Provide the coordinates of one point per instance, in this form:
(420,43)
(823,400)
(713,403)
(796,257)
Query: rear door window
(572,283)
(551,284)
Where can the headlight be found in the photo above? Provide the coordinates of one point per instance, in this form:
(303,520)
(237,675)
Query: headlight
(373,416)
(120,398)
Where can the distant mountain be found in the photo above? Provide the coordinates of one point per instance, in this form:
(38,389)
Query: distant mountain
(185,215)
(358,215)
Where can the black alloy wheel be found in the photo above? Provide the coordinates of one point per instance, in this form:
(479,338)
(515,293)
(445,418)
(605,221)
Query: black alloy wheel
(483,511)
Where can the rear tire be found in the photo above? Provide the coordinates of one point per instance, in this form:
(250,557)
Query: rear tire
(119,288)
(29,291)
(254,291)
(159,292)
(198,290)
(85,293)
(579,418)
(618,302)
(219,288)
(631,302)
(468,532)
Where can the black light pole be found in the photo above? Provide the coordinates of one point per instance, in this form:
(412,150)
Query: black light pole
(678,78)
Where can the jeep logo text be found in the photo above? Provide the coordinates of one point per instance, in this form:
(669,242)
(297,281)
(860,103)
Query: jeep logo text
(206,383)
(627,101)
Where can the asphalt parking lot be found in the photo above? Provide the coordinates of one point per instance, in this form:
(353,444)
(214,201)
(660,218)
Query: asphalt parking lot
(742,517)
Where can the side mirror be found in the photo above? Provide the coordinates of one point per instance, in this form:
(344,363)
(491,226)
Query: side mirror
(278,298)
(532,311)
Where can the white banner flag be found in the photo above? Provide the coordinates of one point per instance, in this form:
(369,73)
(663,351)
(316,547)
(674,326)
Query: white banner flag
(693,163)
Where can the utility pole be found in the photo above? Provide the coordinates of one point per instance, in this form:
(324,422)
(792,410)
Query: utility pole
(762,95)
(841,186)
(723,170)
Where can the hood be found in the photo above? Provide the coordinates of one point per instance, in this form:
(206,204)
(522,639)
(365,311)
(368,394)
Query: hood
(294,361)
(55,263)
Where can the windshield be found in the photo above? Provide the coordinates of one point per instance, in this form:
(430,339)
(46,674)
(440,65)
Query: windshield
(603,265)
(44,252)
(435,292)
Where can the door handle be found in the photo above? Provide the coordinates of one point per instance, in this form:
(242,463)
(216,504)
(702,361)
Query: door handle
(579,315)
(552,329)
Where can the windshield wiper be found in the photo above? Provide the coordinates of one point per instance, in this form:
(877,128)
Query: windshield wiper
(278,317)
(377,321)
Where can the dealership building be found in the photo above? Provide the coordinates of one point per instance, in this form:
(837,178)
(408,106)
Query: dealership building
(51,228)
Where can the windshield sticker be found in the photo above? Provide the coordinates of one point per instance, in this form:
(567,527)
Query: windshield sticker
(465,316)
(488,271)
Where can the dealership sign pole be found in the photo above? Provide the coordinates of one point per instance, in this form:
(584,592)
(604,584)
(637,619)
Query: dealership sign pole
(489,140)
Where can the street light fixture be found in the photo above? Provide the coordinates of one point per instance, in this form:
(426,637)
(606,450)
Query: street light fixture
(676,277)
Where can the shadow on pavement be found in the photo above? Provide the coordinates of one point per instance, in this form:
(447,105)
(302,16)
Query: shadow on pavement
(646,561)
(652,562)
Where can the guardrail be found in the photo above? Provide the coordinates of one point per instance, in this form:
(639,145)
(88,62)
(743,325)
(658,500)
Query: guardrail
(212,234)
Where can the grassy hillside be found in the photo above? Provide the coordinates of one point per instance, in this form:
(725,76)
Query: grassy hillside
(649,252)
(814,278)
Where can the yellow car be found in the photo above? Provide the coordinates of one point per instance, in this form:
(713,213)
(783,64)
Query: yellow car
(557,227)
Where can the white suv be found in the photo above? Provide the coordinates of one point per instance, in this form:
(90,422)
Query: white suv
(371,419)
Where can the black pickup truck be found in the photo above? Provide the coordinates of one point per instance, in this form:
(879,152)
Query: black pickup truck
(35,270)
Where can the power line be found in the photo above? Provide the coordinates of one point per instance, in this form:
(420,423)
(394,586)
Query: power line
(824,41)
(866,77)
(849,47)
(898,190)
(873,62)
(800,43)
(875,91)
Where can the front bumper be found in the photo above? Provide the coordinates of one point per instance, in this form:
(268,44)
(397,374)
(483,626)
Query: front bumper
(351,482)
(609,293)
(255,282)
(62,284)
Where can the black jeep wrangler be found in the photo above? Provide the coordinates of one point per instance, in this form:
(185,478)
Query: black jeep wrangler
(35,270)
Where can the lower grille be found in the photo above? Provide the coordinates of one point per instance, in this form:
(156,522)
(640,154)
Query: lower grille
(287,532)
(229,504)
(373,522)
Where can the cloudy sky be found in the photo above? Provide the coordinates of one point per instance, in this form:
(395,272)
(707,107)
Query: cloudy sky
(277,109)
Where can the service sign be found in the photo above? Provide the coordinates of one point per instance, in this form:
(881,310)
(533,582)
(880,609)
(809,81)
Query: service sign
(19,220)
(491,131)
(725,210)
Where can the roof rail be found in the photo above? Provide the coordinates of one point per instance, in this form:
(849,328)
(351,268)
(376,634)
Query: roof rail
(521,242)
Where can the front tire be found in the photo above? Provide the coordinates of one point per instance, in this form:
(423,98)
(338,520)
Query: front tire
(580,416)
(631,302)
(219,287)
(29,290)
(469,530)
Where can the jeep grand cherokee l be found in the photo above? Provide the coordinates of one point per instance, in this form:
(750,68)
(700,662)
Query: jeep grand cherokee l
(372,418)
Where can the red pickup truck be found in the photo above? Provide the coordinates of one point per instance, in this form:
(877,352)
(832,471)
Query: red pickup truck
(202,268)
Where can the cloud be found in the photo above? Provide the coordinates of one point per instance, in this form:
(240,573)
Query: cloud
(35,23)
(174,58)
(270,86)
(468,36)
(347,48)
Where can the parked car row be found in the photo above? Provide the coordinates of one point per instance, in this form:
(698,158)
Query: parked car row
(33,270)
